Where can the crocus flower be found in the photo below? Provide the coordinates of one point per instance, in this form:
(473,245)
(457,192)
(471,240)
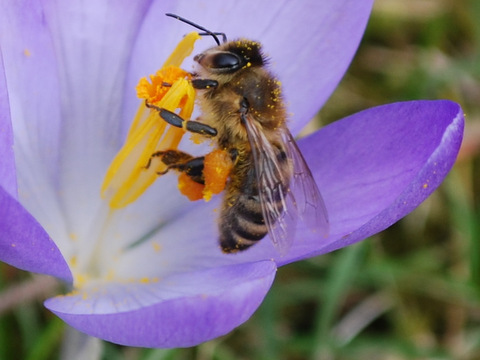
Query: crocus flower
(152,274)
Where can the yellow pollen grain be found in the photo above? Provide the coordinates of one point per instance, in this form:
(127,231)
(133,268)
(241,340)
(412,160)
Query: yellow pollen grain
(27,53)
(110,275)
(73,261)
(207,195)
(156,246)
(197,138)
(71,293)
(425,185)
(73,236)
(80,280)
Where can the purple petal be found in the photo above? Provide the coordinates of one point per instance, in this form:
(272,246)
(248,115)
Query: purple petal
(92,44)
(8,180)
(376,166)
(65,64)
(31,82)
(33,96)
(177,311)
(25,245)
(310,44)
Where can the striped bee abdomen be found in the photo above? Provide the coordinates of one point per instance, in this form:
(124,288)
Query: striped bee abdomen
(241,223)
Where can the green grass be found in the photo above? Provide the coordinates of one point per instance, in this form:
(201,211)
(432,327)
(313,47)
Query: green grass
(411,292)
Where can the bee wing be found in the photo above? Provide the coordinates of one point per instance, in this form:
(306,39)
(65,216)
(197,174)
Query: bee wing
(304,189)
(277,203)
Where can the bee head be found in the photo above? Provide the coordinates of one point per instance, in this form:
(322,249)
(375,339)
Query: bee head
(231,57)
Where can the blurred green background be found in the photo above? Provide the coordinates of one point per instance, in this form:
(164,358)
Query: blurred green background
(411,292)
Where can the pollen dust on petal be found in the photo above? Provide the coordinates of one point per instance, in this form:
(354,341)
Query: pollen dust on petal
(156,246)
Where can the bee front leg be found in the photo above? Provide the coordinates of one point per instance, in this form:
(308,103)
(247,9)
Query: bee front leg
(199,84)
(202,84)
(182,162)
(189,125)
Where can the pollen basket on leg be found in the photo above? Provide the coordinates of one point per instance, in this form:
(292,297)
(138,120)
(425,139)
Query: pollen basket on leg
(170,88)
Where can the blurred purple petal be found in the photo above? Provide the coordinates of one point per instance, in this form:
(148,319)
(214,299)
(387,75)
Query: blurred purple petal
(177,311)
(8,178)
(25,244)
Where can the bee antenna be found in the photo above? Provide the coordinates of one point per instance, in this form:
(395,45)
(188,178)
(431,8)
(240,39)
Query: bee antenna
(206,31)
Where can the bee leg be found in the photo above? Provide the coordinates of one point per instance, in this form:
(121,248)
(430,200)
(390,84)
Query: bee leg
(193,168)
(180,161)
(169,157)
(189,125)
(202,84)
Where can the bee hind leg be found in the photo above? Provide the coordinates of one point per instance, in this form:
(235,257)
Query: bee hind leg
(182,162)
(189,125)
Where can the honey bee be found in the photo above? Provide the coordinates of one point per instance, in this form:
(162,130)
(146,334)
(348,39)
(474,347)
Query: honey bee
(270,185)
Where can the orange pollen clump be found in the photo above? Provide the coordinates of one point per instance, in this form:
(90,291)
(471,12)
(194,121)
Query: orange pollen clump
(191,189)
(160,83)
(216,170)
(217,167)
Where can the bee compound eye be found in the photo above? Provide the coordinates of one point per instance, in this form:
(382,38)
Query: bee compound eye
(225,61)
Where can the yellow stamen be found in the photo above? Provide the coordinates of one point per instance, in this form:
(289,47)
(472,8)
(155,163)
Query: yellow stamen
(128,177)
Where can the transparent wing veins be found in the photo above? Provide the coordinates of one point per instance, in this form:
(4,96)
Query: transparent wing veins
(283,197)
(310,204)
